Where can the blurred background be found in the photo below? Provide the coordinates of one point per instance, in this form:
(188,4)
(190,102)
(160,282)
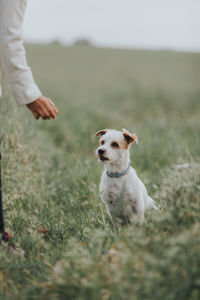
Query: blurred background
(116,63)
(170,24)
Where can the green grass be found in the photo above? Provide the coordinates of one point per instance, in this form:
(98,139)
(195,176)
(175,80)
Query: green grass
(66,247)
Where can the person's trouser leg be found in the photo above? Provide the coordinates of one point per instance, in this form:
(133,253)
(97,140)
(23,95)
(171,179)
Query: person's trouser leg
(5,235)
(2,229)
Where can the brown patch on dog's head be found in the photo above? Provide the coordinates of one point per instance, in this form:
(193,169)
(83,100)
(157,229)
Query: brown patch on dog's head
(101,142)
(101,132)
(129,137)
(115,145)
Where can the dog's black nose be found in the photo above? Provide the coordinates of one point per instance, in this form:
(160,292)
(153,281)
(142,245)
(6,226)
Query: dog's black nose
(101,151)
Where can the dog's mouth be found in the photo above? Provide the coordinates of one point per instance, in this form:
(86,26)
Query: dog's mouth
(103,158)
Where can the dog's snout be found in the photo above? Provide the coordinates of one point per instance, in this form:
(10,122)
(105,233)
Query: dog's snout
(101,151)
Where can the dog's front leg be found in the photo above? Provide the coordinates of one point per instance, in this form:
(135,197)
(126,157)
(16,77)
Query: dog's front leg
(140,210)
(141,218)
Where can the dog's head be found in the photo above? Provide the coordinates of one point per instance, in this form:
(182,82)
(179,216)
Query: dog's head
(114,144)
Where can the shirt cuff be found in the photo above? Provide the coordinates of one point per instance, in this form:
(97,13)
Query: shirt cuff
(29,96)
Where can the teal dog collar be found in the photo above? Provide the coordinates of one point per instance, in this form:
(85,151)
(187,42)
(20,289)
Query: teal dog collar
(118,174)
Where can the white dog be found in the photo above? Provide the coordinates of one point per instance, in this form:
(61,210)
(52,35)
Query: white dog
(123,193)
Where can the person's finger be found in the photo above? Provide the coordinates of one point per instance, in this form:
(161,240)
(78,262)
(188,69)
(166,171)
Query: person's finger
(46,116)
(46,108)
(42,114)
(53,106)
(52,113)
(47,113)
(43,111)
(51,110)
(36,116)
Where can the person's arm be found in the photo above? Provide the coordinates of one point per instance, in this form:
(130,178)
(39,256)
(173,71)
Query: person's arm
(13,58)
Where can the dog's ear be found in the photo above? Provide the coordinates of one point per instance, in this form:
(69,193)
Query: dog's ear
(101,132)
(130,137)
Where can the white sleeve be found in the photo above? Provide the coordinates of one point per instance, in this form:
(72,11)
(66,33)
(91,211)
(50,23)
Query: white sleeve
(12,52)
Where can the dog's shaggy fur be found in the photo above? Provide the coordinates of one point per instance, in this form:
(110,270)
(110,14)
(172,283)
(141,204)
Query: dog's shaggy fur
(124,195)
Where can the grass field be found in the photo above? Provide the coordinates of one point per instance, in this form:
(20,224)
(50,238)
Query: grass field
(66,247)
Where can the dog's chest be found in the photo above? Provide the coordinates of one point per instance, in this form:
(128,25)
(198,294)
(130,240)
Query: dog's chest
(112,189)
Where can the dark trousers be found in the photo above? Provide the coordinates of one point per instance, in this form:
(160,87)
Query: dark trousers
(2,229)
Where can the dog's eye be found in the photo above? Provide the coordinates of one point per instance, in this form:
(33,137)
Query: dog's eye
(114,145)
(102,142)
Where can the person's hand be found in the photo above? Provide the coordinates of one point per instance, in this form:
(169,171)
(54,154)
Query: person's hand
(44,108)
